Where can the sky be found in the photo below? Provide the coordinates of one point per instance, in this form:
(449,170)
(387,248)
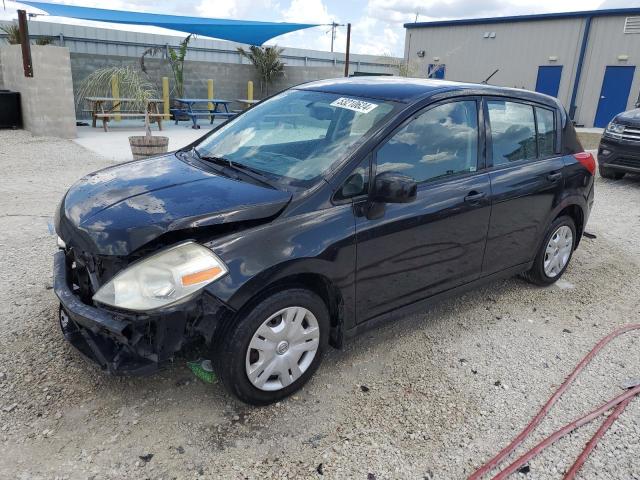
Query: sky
(377,25)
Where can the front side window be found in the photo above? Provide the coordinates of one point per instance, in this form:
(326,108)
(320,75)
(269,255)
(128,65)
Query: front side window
(357,183)
(546,132)
(440,142)
(513,131)
(296,136)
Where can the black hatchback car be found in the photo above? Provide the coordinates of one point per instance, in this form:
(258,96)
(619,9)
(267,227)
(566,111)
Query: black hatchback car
(312,216)
(619,149)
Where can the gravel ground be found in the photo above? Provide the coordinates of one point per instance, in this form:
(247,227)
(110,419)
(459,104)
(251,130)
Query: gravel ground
(430,397)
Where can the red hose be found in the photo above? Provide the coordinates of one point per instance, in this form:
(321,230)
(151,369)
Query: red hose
(571,474)
(495,461)
(568,428)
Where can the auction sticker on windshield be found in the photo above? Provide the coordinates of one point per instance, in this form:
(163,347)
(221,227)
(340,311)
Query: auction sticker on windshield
(353,104)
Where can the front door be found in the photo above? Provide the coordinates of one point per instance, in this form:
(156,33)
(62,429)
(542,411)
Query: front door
(614,95)
(411,251)
(526,181)
(548,81)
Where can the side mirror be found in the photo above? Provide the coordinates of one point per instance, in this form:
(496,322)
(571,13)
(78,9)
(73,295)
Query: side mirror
(393,187)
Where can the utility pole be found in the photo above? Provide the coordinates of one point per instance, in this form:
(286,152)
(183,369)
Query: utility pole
(334,29)
(333,33)
(346,58)
(26,45)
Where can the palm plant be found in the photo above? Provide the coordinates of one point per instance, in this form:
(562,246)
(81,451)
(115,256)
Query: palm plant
(175,57)
(131,85)
(44,41)
(267,63)
(13,33)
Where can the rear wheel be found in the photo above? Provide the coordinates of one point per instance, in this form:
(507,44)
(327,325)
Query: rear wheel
(610,174)
(555,252)
(272,350)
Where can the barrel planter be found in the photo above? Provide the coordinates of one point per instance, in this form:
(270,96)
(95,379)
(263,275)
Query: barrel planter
(144,147)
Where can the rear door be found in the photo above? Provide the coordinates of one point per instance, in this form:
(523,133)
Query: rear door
(526,179)
(408,252)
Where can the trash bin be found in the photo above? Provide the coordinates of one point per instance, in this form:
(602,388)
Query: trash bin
(10,111)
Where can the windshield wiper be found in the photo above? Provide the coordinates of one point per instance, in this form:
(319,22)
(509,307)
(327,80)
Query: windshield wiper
(238,167)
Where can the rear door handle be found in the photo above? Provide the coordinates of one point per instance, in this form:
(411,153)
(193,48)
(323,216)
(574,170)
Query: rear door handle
(474,196)
(554,177)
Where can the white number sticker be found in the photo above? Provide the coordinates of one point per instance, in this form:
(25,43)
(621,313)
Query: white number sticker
(353,104)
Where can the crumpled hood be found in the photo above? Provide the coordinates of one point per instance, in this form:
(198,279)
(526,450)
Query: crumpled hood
(119,209)
(630,117)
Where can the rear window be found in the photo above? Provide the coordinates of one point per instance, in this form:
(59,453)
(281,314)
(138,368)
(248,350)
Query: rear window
(546,132)
(513,131)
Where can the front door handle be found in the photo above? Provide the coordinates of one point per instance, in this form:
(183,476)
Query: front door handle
(554,177)
(474,196)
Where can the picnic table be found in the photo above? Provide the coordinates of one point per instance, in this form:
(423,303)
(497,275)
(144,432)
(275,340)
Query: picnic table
(106,108)
(191,109)
(247,103)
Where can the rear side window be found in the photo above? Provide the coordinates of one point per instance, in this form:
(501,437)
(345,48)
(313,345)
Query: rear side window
(513,131)
(440,142)
(546,132)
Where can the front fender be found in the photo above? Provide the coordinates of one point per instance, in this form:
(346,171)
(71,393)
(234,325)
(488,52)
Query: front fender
(321,243)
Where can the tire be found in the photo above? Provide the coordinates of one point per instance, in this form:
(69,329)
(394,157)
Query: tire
(538,274)
(235,359)
(610,174)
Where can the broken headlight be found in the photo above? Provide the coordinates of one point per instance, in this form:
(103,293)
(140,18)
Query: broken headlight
(163,278)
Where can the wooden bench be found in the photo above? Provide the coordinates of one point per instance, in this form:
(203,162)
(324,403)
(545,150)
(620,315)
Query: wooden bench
(105,117)
(106,108)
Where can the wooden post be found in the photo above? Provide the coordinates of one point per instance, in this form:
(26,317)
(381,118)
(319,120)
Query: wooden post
(115,93)
(165,98)
(249,90)
(346,58)
(27,64)
(210,94)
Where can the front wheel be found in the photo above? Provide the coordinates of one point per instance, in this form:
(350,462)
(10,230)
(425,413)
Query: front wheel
(555,252)
(274,348)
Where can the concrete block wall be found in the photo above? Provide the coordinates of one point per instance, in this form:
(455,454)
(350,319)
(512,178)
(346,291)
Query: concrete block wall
(230,79)
(47,97)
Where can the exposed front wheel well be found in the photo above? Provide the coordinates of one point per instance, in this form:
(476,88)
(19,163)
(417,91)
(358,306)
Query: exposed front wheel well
(576,213)
(319,285)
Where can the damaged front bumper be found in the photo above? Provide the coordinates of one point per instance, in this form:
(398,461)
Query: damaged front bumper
(127,343)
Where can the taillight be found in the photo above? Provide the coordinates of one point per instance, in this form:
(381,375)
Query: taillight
(587,160)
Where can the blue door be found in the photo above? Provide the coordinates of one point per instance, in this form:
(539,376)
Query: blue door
(436,70)
(614,94)
(549,79)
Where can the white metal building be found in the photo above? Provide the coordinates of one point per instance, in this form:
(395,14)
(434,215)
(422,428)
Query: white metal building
(587,59)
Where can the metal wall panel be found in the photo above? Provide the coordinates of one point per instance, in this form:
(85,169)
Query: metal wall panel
(606,42)
(517,50)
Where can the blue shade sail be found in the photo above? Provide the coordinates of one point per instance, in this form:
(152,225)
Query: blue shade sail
(242,31)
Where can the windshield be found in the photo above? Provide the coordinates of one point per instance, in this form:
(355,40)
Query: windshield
(296,136)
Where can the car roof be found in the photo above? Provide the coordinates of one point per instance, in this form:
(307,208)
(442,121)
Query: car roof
(409,90)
